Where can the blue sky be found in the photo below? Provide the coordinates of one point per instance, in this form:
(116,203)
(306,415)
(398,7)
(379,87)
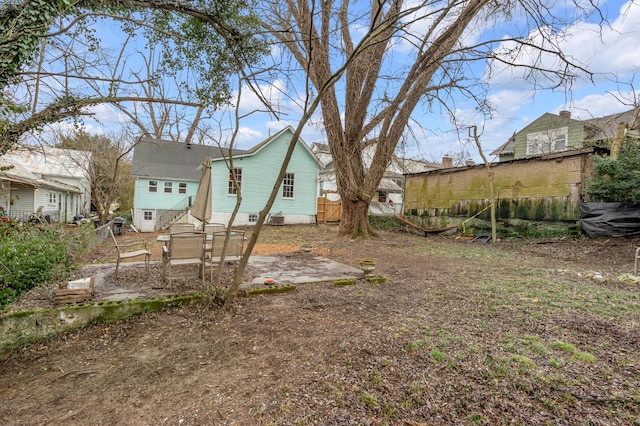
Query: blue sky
(611,52)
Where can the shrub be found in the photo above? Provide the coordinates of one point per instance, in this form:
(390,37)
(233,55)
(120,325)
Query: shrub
(31,256)
(616,180)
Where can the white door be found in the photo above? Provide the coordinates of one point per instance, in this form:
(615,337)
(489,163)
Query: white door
(148,221)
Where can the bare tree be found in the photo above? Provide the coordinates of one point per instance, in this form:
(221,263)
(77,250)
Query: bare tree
(109,168)
(374,102)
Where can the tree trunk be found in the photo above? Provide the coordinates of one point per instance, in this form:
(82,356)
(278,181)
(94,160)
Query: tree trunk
(355,219)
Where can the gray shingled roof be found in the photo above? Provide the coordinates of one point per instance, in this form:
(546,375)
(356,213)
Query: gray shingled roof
(172,160)
(603,128)
(509,147)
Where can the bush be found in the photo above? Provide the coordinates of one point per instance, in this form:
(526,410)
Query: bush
(32,256)
(616,180)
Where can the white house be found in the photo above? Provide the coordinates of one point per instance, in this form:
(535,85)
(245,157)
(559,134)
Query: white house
(52,180)
(389,198)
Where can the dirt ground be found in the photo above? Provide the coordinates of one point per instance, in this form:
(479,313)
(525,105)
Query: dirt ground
(518,332)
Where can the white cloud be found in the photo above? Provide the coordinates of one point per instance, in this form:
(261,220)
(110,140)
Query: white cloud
(605,50)
(246,138)
(107,114)
(595,105)
(274,93)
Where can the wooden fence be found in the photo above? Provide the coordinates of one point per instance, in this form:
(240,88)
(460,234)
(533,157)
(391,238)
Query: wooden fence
(328,210)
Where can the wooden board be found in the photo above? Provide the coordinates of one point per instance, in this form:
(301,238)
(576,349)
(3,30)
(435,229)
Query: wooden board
(64,296)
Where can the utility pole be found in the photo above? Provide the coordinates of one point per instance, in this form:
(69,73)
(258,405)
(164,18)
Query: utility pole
(487,164)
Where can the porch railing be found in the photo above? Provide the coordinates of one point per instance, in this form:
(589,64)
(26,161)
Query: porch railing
(53,216)
(168,216)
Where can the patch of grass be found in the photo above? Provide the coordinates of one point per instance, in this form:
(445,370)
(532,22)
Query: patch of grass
(369,400)
(535,291)
(563,346)
(337,396)
(571,349)
(388,410)
(376,377)
(584,356)
(437,354)
(524,360)
(555,363)
(476,419)
(459,250)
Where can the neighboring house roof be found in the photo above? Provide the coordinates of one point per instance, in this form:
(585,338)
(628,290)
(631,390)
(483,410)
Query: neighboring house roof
(173,160)
(416,166)
(17,173)
(256,149)
(509,147)
(322,152)
(47,161)
(603,128)
(320,147)
(597,129)
(389,185)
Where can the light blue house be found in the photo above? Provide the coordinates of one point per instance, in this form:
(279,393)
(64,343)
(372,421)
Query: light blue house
(167,176)
(256,170)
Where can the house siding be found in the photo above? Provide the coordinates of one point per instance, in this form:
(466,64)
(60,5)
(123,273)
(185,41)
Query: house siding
(546,122)
(259,173)
(23,199)
(160,203)
(546,188)
(160,199)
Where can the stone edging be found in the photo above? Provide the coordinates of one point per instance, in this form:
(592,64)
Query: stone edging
(21,328)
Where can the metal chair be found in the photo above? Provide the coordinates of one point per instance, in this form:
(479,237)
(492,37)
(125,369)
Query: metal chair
(210,228)
(635,264)
(234,252)
(181,227)
(186,248)
(129,249)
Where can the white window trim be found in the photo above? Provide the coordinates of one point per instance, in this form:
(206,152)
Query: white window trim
(293,185)
(232,191)
(546,139)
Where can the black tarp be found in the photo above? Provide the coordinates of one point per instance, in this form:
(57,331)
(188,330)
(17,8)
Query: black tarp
(600,220)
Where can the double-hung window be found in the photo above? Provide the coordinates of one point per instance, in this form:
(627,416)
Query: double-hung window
(287,185)
(547,141)
(237,173)
(153,186)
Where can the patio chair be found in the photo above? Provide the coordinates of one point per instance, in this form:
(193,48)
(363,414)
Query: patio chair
(210,228)
(131,248)
(181,227)
(184,249)
(234,252)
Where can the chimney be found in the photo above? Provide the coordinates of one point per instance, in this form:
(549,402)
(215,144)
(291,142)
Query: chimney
(470,162)
(565,114)
(447,162)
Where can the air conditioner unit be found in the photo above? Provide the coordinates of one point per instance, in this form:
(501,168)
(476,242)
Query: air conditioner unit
(277,220)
